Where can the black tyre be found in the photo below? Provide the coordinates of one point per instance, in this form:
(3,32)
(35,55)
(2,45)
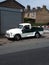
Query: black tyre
(37,35)
(17,37)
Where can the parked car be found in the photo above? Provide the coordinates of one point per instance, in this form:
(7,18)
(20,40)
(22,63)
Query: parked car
(24,30)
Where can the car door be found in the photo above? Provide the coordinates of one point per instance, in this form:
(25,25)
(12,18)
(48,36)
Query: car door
(26,32)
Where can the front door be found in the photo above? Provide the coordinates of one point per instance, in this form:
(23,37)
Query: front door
(26,32)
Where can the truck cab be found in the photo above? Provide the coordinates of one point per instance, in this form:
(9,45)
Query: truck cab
(24,30)
(24,25)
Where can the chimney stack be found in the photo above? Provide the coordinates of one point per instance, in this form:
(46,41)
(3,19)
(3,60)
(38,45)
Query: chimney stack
(44,6)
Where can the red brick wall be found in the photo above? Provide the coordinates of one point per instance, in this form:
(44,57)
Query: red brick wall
(42,16)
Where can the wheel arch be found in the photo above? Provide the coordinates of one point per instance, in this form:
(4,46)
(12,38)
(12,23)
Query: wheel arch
(37,32)
(17,34)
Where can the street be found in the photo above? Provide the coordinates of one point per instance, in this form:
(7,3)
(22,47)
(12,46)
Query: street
(38,56)
(30,51)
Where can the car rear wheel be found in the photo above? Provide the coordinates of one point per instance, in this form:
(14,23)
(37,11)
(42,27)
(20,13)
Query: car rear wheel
(37,35)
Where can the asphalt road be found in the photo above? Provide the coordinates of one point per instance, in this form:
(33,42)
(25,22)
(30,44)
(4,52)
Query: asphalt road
(38,56)
(30,51)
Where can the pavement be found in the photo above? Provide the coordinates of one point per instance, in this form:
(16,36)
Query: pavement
(46,35)
(4,40)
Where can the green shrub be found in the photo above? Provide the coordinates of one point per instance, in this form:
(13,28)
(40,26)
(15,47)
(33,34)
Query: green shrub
(29,20)
(38,24)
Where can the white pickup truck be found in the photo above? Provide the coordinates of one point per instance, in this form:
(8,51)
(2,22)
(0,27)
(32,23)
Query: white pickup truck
(24,30)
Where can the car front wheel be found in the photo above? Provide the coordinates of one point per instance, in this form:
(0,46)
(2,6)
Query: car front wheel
(17,37)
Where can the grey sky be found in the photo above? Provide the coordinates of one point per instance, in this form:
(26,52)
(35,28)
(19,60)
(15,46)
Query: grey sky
(33,3)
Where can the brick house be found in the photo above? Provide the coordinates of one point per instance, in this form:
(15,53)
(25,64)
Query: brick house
(39,15)
(11,14)
(30,14)
(42,15)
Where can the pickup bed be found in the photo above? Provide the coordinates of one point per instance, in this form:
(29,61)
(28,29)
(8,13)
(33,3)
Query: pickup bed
(33,29)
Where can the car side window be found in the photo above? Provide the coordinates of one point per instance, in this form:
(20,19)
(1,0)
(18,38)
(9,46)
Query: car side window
(26,27)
